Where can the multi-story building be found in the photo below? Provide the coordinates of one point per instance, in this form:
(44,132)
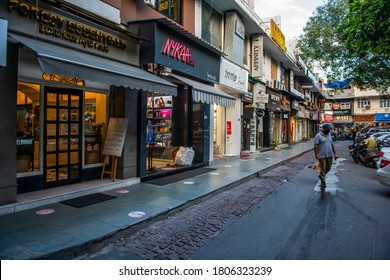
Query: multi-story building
(351,107)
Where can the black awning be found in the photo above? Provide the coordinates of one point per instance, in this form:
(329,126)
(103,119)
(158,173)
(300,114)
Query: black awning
(70,62)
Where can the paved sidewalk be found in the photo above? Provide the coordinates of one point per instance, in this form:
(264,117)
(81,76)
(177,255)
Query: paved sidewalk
(59,231)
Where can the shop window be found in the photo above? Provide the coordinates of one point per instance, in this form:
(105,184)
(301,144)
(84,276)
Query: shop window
(95,119)
(169,8)
(28,127)
(161,151)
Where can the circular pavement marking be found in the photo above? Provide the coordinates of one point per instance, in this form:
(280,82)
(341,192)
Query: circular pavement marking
(122,191)
(46,211)
(136,214)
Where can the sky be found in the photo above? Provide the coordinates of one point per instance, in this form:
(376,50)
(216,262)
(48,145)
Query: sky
(294,13)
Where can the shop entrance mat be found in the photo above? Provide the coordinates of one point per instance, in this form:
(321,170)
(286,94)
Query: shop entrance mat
(87,200)
(179,176)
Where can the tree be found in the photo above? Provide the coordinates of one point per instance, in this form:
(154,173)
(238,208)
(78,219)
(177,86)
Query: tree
(350,39)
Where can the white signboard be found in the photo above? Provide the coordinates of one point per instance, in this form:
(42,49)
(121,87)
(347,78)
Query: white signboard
(257,56)
(233,76)
(115,137)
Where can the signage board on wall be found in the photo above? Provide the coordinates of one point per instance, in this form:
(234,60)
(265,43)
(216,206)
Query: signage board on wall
(277,35)
(177,52)
(228,128)
(257,56)
(115,137)
(3,42)
(233,76)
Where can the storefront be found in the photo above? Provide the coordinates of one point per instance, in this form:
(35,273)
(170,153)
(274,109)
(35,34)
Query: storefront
(364,120)
(186,120)
(382,120)
(65,77)
(272,118)
(233,80)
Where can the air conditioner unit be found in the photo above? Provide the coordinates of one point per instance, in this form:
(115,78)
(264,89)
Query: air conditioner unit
(367,107)
(276,84)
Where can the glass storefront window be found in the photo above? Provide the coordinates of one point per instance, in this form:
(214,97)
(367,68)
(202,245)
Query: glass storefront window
(95,119)
(28,127)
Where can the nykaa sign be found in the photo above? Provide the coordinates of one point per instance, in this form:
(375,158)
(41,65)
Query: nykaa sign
(179,51)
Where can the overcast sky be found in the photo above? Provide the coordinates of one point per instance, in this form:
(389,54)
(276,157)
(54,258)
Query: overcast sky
(294,13)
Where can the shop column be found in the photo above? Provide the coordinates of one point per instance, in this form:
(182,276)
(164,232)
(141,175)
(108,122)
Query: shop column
(8,89)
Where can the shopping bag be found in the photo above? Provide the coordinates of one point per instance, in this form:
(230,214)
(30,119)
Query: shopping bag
(184,156)
(317,166)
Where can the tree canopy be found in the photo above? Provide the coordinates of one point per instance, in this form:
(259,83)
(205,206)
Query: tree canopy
(350,39)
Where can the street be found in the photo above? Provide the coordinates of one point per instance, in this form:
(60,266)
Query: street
(276,216)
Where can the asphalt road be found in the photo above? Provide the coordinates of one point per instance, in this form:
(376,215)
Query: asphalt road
(276,216)
(351,223)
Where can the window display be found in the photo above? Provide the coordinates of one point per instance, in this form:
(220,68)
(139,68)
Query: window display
(159,131)
(28,127)
(159,115)
(95,115)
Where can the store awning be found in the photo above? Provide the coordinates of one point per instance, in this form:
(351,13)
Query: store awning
(69,62)
(207,94)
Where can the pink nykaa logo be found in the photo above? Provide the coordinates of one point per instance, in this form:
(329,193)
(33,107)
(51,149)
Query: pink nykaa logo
(180,52)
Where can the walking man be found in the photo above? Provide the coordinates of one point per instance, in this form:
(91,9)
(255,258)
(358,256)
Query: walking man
(325,152)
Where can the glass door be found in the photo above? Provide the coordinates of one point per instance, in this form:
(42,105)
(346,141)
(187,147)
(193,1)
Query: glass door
(63,136)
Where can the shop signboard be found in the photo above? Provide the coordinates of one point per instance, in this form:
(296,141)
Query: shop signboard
(175,51)
(257,55)
(115,137)
(233,76)
(342,119)
(228,128)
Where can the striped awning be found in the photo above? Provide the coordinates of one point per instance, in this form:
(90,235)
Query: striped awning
(204,93)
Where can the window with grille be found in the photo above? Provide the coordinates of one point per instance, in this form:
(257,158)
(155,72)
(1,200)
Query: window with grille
(363,102)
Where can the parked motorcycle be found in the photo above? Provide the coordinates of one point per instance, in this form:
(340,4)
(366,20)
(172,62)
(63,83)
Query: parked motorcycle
(368,157)
(359,153)
(353,152)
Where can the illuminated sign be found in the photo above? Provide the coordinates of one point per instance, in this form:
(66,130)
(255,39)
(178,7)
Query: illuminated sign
(278,36)
(56,26)
(179,51)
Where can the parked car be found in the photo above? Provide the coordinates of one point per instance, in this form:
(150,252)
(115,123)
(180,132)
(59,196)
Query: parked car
(372,130)
(377,135)
(383,164)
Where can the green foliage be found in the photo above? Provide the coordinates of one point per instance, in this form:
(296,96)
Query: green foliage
(274,143)
(350,39)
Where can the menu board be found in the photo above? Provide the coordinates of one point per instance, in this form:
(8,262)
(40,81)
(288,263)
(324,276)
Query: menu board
(115,137)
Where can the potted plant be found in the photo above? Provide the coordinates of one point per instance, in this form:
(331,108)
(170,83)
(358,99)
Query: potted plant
(274,143)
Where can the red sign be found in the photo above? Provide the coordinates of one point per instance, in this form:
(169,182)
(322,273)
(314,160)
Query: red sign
(228,128)
(328,118)
(179,51)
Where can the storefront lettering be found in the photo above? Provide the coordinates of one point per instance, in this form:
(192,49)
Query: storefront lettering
(234,77)
(274,98)
(179,51)
(53,25)
(256,57)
